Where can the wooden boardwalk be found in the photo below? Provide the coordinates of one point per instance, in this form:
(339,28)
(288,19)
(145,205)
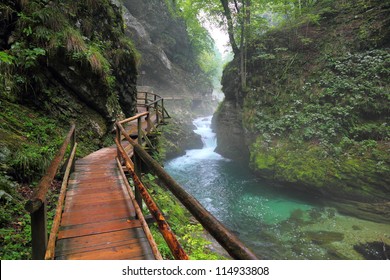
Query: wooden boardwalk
(98,214)
(98,221)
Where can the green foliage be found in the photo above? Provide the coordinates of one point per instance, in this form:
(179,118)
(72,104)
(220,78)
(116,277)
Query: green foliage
(33,139)
(6,58)
(208,57)
(14,222)
(49,32)
(15,228)
(189,233)
(26,57)
(317,107)
(349,92)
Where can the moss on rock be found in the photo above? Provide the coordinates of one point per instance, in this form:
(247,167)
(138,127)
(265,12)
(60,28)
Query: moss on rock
(315,112)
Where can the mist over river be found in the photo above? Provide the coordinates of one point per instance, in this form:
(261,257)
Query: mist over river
(273,224)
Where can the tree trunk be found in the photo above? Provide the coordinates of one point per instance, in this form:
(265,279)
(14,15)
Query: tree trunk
(228,15)
(247,23)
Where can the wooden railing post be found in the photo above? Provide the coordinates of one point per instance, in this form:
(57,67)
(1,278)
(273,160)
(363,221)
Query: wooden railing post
(138,171)
(39,232)
(156,109)
(139,130)
(73,143)
(137,160)
(118,137)
(162,109)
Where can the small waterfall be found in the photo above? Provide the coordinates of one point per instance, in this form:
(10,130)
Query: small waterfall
(203,128)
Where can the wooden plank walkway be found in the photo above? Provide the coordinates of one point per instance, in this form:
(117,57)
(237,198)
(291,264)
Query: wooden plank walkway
(98,221)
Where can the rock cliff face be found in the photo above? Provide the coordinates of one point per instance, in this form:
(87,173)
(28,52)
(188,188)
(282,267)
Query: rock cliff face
(75,61)
(168,63)
(61,62)
(227,120)
(168,66)
(314,114)
(79,49)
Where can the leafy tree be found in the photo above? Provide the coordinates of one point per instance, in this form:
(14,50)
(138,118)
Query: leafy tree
(207,55)
(243,20)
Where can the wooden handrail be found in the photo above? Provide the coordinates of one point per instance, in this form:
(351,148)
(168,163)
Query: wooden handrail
(227,240)
(40,196)
(162,224)
(134,117)
(140,216)
(36,206)
(154,101)
(150,99)
(49,255)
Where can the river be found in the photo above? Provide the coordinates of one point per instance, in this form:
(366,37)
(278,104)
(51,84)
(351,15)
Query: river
(273,224)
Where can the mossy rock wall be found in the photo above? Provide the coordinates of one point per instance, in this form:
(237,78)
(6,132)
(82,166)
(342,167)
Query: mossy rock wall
(64,62)
(315,112)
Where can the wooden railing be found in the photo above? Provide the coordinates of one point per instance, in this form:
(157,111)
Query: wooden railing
(154,104)
(133,167)
(140,157)
(37,206)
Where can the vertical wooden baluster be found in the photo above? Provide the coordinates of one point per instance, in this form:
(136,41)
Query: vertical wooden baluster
(139,128)
(162,110)
(39,232)
(73,142)
(118,137)
(138,171)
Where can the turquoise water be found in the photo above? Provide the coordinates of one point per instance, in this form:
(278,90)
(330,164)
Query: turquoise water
(273,224)
(229,191)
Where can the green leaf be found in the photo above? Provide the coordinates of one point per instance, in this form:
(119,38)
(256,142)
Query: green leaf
(6,58)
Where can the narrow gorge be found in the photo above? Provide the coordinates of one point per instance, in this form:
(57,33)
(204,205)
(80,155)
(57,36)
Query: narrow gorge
(293,159)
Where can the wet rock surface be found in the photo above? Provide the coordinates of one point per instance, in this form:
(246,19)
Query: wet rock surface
(374,250)
(178,136)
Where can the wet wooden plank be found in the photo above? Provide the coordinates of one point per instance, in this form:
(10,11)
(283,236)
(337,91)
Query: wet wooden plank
(91,191)
(63,251)
(95,175)
(75,207)
(96,228)
(98,211)
(80,185)
(88,181)
(111,253)
(81,195)
(87,217)
(90,200)
(99,241)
